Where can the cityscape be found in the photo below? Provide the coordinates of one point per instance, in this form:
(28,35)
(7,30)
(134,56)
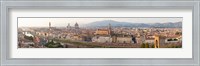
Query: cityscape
(153,32)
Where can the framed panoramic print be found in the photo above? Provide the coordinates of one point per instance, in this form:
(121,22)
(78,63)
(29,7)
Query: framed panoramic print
(100,32)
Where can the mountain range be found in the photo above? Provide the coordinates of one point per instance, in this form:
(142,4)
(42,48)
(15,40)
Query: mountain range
(129,24)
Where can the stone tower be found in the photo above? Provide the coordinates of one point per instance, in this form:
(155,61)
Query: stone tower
(159,41)
(68,26)
(49,25)
(109,29)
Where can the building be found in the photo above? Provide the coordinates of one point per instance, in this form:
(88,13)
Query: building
(101,32)
(26,44)
(141,37)
(43,34)
(107,31)
(76,26)
(121,38)
(49,25)
(36,40)
(74,29)
(159,41)
(102,39)
(113,39)
(110,29)
(149,40)
(107,35)
(173,39)
(124,40)
(68,26)
(77,38)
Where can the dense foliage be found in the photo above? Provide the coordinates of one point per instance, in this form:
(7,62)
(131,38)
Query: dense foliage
(51,44)
(29,37)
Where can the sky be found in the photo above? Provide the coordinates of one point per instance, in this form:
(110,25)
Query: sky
(63,22)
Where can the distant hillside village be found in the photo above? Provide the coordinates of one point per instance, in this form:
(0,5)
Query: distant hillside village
(105,37)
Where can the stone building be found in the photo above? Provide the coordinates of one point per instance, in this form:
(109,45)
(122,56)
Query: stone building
(102,39)
(76,26)
(107,35)
(68,26)
(107,31)
(159,41)
(49,25)
(149,40)
(124,40)
(102,32)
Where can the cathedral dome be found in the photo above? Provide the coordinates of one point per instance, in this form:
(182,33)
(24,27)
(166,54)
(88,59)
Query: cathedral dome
(76,25)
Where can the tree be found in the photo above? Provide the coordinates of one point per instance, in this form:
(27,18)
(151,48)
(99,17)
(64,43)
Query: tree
(169,39)
(29,37)
(143,45)
(175,39)
(146,45)
(152,46)
(51,44)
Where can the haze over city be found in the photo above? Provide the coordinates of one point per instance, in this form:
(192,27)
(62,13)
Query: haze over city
(63,22)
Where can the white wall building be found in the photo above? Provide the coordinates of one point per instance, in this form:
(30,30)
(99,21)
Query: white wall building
(124,40)
(101,39)
(149,40)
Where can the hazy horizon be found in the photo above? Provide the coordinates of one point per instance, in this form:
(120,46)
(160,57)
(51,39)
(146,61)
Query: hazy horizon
(63,22)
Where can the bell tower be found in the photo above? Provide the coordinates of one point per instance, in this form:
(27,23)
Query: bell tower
(159,41)
(49,25)
(68,26)
(109,29)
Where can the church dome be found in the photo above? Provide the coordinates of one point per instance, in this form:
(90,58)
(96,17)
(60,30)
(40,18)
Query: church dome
(76,24)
